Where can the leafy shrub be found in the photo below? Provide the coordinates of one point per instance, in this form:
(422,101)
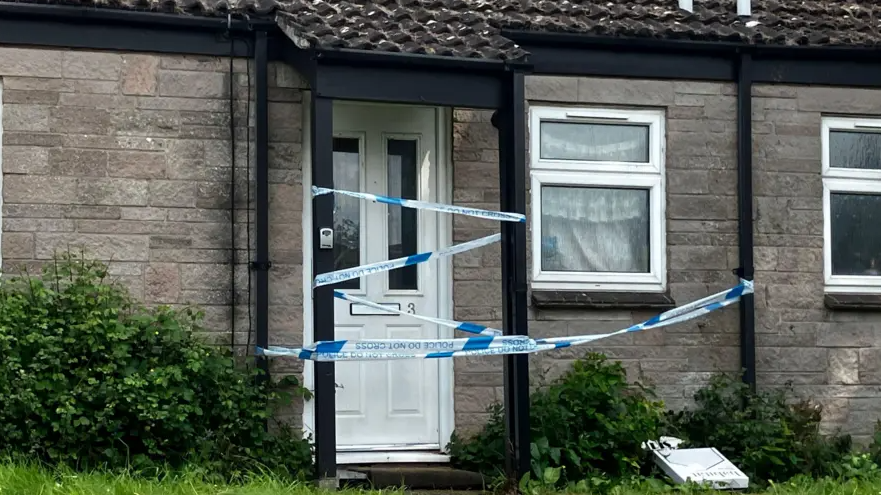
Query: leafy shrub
(768,436)
(91,379)
(860,466)
(591,420)
(873,453)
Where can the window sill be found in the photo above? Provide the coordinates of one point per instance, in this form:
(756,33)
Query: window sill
(853,301)
(559,299)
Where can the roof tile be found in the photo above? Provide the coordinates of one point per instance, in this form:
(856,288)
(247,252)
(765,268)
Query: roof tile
(412,26)
(472,28)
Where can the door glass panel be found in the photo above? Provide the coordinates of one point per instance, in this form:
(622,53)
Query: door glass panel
(403,180)
(849,149)
(856,238)
(346,210)
(595,229)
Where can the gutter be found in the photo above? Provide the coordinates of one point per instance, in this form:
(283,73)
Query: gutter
(356,58)
(660,45)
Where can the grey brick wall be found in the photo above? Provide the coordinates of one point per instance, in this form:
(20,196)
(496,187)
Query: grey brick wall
(701,236)
(128,157)
(832,356)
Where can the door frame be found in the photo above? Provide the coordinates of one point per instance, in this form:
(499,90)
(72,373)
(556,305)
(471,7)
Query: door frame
(446,403)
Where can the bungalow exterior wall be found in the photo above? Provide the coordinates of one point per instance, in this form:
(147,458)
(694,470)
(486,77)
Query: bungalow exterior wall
(128,155)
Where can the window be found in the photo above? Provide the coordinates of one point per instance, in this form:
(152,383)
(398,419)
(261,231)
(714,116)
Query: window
(852,204)
(597,199)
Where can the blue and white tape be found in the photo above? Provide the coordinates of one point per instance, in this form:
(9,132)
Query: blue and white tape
(424,205)
(458,325)
(388,349)
(686,312)
(412,349)
(384,266)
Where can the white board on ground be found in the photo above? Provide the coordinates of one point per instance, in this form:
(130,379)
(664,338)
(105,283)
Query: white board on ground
(703,466)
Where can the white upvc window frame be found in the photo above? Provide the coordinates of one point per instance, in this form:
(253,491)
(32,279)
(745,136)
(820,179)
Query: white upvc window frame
(845,180)
(650,176)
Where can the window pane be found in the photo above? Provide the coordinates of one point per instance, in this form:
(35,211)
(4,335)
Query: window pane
(595,142)
(403,179)
(848,149)
(856,238)
(593,229)
(346,210)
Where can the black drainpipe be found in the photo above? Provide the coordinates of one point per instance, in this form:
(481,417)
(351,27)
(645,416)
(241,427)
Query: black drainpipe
(261,263)
(745,216)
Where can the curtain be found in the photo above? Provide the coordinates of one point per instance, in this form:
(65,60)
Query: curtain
(595,229)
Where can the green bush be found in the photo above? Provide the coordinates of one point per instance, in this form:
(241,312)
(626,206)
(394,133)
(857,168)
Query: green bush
(90,379)
(872,457)
(589,421)
(768,436)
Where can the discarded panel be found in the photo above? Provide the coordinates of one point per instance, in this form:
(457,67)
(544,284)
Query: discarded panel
(703,466)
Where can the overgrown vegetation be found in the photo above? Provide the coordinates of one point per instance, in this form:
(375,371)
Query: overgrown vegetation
(90,379)
(589,422)
(588,427)
(767,434)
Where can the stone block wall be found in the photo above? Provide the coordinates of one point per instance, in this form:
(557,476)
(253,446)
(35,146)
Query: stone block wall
(832,356)
(701,175)
(128,157)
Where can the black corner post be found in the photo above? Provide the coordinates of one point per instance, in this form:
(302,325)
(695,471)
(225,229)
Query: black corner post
(511,123)
(745,215)
(322,297)
(260,264)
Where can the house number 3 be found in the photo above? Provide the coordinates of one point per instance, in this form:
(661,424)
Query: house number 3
(411,308)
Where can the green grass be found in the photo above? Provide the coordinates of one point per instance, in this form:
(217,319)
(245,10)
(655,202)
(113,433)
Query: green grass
(795,487)
(31,479)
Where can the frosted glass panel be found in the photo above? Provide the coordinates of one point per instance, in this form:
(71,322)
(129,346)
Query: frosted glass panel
(595,142)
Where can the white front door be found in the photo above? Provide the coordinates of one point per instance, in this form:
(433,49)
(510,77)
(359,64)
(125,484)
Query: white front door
(393,151)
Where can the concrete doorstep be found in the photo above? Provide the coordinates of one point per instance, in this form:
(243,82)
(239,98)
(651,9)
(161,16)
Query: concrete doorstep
(418,477)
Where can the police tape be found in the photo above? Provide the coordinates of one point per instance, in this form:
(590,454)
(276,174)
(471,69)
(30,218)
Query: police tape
(424,205)
(384,266)
(458,325)
(392,349)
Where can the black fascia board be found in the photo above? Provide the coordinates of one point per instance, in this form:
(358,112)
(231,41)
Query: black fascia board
(303,61)
(607,62)
(717,47)
(577,40)
(418,87)
(372,59)
(410,78)
(820,72)
(572,54)
(129,30)
(586,55)
(132,17)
